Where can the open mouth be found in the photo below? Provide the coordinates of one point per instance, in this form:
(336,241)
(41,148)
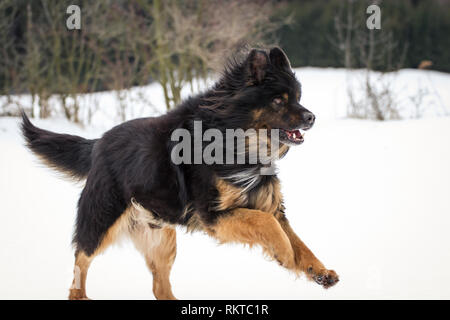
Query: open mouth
(293,137)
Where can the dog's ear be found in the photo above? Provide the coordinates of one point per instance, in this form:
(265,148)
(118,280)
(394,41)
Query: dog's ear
(279,59)
(257,63)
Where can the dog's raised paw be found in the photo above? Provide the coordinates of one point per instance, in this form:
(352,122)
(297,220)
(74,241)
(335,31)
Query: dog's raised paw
(326,278)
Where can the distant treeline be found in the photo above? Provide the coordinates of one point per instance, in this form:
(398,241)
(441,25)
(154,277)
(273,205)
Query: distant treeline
(125,43)
(120,44)
(414,31)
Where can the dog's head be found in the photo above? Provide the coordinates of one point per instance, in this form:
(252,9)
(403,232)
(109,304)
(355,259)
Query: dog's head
(267,91)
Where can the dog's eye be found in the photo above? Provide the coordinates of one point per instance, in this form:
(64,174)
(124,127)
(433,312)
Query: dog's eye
(278,100)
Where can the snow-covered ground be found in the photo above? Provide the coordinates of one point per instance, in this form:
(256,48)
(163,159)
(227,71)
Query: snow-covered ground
(371,199)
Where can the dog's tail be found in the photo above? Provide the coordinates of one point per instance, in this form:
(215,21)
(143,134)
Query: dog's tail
(71,155)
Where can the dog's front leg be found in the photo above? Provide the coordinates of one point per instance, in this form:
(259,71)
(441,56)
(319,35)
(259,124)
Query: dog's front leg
(255,227)
(305,260)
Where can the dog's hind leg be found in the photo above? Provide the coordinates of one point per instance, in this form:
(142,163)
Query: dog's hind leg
(78,288)
(158,246)
(83,260)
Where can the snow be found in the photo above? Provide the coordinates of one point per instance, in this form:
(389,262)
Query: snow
(371,199)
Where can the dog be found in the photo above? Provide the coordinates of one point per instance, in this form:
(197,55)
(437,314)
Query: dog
(134,189)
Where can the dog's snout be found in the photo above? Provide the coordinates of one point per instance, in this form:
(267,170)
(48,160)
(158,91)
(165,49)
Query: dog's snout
(309,119)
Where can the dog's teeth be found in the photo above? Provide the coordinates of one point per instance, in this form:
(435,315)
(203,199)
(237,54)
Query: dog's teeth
(294,135)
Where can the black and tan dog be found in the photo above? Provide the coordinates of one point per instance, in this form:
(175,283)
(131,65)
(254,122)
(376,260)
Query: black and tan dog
(134,189)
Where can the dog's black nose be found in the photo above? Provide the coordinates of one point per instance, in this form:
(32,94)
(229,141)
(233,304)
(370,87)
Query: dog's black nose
(309,118)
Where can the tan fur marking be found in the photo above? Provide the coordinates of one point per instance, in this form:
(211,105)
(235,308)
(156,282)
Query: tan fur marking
(82,262)
(119,229)
(229,196)
(254,227)
(283,150)
(257,114)
(285,96)
(140,215)
(305,260)
(194,223)
(260,122)
(78,288)
(268,198)
(158,246)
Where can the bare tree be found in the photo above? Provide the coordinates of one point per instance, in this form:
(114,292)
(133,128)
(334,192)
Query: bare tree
(345,29)
(69,67)
(123,44)
(10,62)
(373,97)
(188,39)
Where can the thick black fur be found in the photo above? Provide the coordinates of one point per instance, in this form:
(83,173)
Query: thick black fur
(132,160)
(67,153)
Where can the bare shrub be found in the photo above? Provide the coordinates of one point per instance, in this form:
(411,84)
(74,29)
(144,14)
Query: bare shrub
(121,44)
(190,39)
(374,97)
